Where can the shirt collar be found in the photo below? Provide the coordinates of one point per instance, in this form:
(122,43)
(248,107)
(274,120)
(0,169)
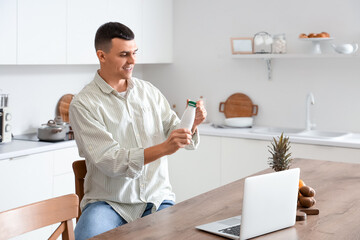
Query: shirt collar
(106,88)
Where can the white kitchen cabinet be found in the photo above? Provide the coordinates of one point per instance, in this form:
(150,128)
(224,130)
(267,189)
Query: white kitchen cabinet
(216,162)
(63,32)
(327,153)
(151,21)
(64,184)
(221,160)
(84,17)
(242,157)
(64,180)
(41,32)
(26,180)
(63,159)
(8,33)
(128,12)
(63,175)
(193,172)
(157,31)
(34,178)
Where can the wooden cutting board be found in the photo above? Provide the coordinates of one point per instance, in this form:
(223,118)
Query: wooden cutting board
(62,108)
(238,105)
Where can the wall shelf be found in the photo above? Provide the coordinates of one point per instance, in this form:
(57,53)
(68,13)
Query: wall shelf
(295,55)
(268,57)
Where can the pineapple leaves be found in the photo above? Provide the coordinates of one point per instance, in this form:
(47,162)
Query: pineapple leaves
(280,158)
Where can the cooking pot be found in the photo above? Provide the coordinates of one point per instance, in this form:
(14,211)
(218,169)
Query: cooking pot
(59,121)
(51,132)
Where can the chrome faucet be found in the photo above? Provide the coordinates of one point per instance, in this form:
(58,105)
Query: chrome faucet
(309,100)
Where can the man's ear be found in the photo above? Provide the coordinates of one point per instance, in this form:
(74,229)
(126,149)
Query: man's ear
(101,55)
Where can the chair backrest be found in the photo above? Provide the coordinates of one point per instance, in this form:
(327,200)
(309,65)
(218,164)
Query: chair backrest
(79,168)
(17,221)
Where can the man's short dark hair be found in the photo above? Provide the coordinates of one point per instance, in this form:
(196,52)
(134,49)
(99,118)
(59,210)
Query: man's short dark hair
(110,30)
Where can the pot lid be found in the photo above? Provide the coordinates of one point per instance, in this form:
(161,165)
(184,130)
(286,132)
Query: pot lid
(238,105)
(51,124)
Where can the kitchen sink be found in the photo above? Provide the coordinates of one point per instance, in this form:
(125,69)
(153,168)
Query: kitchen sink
(277,130)
(322,134)
(297,132)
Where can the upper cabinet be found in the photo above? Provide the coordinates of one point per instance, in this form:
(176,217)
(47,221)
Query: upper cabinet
(83,19)
(157,31)
(8,24)
(63,32)
(130,13)
(41,32)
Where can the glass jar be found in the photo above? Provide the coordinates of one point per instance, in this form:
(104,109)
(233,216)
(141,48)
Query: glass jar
(262,42)
(279,43)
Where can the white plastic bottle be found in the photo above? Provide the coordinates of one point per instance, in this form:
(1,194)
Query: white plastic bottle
(188,117)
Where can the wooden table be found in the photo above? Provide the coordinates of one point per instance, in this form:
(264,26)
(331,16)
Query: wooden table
(338,198)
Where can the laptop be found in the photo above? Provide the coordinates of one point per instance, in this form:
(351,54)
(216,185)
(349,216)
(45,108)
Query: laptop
(269,204)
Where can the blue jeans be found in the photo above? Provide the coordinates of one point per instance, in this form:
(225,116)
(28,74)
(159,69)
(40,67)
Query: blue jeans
(100,217)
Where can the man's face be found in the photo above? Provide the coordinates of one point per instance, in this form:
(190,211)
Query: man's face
(120,60)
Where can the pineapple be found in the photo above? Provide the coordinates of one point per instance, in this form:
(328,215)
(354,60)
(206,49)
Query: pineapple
(281,157)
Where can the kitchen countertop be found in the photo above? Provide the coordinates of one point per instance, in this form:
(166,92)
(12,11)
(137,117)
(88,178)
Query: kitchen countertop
(18,148)
(351,140)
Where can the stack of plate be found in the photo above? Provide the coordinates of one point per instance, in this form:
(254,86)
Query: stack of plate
(239,110)
(239,122)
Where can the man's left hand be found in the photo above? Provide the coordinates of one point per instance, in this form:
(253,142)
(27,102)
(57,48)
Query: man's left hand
(200,115)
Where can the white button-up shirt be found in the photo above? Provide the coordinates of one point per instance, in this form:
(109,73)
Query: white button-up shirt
(111,131)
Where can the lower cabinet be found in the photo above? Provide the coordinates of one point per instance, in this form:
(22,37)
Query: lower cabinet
(25,180)
(34,178)
(63,177)
(216,162)
(196,171)
(242,157)
(221,160)
(327,153)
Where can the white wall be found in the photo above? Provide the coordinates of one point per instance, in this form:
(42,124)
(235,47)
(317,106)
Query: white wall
(35,90)
(203,64)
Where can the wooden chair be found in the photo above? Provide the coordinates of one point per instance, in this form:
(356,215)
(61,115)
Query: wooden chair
(79,168)
(17,221)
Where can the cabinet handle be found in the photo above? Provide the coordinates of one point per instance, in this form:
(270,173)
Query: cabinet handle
(18,157)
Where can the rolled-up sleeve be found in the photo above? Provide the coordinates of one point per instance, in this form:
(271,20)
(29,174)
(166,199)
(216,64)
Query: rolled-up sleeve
(97,145)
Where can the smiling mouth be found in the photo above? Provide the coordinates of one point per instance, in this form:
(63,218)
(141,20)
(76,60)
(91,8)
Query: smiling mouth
(128,68)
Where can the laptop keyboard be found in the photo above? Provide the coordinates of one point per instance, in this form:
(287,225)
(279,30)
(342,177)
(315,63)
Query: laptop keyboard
(235,230)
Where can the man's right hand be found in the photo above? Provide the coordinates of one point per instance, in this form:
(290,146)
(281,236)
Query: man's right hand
(177,139)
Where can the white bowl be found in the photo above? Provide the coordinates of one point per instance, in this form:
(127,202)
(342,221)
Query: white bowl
(239,122)
(345,48)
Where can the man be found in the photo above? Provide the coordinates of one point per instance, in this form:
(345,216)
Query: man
(125,128)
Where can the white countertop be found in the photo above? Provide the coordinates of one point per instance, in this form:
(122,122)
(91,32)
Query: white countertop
(351,140)
(17,148)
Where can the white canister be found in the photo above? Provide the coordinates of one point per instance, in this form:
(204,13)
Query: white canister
(279,43)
